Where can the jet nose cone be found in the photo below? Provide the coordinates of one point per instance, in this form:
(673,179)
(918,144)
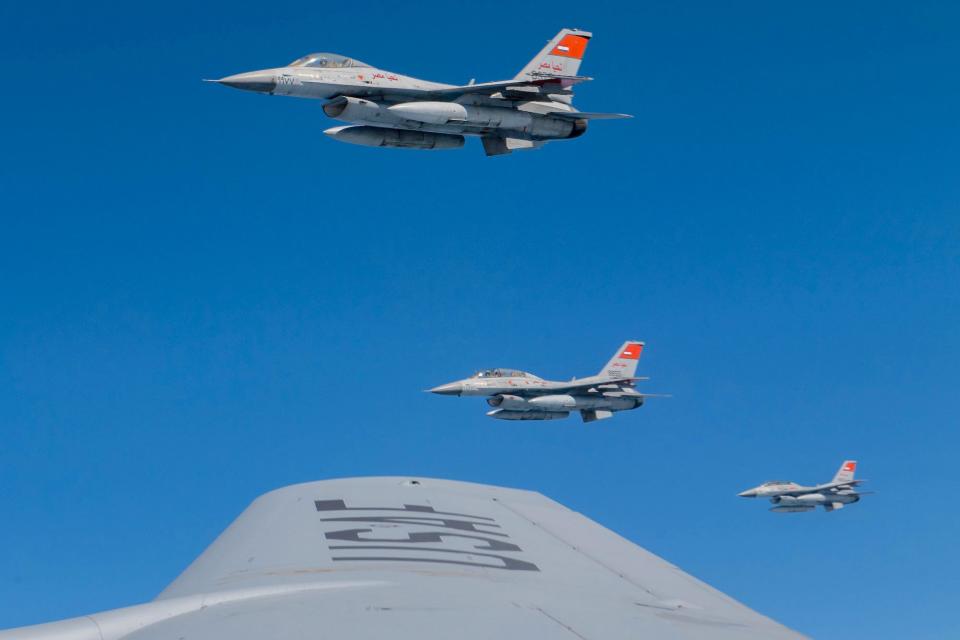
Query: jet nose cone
(452,389)
(749,493)
(259,81)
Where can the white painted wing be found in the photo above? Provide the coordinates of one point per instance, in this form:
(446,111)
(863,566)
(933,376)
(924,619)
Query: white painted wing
(377,558)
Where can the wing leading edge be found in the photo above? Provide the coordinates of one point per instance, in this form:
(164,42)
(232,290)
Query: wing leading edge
(401,557)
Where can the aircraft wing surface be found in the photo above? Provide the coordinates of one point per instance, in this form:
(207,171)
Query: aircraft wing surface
(820,488)
(543,84)
(521,89)
(581,384)
(421,559)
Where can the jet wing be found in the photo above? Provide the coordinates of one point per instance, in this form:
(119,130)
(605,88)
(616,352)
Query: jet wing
(848,484)
(529,89)
(820,488)
(542,84)
(593,382)
(427,559)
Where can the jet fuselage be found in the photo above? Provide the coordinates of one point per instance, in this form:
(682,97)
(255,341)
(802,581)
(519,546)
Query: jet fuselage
(362,96)
(518,395)
(387,109)
(792,497)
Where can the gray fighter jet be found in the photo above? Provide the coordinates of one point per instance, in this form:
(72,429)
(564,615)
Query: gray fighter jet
(518,395)
(790,497)
(419,559)
(387,109)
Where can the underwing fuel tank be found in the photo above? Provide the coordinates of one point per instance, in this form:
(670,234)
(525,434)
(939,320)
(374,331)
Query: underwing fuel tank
(399,138)
(796,504)
(555,403)
(431,112)
(810,499)
(563,402)
(505,414)
(792,508)
(443,113)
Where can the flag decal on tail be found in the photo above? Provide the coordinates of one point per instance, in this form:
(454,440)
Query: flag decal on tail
(624,362)
(632,351)
(561,56)
(571,46)
(847,469)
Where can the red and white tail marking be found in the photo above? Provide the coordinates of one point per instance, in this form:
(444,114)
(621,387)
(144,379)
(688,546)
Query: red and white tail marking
(571,46)
(560,57)
(846,471)
(633,351)
(624,362)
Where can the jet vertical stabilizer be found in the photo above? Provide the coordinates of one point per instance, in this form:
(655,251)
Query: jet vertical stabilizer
(845,474)
(624,363)
(561,57)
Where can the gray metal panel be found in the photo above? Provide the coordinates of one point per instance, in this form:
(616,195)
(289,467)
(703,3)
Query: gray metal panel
(567,568)
(400,557)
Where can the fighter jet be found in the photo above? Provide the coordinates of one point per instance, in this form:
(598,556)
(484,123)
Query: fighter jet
(790,497)
(386,109)
(518,395)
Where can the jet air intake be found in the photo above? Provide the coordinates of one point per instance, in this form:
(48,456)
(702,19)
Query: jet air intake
(399,138)
(505,401)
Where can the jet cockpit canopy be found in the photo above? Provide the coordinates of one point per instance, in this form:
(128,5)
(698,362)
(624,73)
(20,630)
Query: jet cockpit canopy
(771,483)
(327,61)
(502,373)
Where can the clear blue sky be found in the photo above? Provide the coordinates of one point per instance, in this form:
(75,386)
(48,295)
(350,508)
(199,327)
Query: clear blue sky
(204,298)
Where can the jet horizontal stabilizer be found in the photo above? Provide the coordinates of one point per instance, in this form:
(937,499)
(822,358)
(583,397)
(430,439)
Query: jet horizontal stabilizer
(587,115)
(552,77)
